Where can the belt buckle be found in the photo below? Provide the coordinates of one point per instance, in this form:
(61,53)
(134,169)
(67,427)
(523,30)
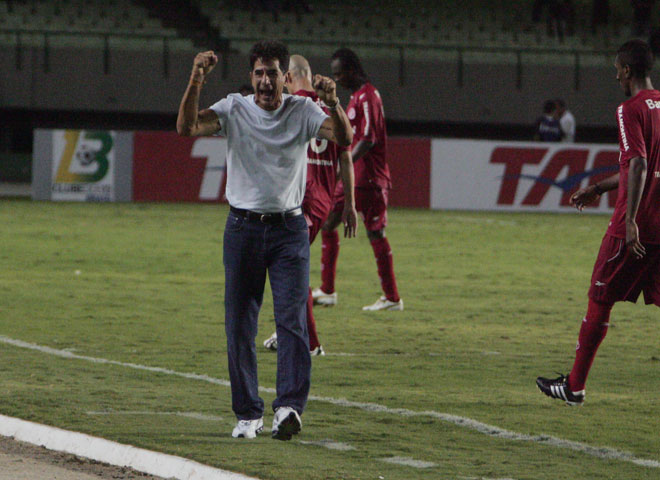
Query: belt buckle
(263,218)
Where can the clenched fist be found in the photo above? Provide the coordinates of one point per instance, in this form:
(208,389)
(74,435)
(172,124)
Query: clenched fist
(203,64)
(326,89)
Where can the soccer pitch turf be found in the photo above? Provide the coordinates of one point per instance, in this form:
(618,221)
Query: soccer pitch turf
(112,324)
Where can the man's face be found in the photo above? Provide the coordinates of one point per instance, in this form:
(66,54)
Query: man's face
(341,75)
(623,77)
(268,83)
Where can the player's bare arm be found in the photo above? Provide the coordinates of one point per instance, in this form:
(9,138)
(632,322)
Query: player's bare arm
(191,122)
(337,128)
(349,215)
(361,149)
(591,193)
(636,180)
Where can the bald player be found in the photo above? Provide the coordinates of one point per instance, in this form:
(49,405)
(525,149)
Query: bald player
(323,160)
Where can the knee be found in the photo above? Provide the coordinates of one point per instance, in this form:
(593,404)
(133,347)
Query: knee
(375,234)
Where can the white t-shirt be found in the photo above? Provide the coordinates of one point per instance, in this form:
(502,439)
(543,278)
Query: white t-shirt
(567,123)
(267,150)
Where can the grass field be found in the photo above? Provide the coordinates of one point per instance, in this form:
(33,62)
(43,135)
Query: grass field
(491,301)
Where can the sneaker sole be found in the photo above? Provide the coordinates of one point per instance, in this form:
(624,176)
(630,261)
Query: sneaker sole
(393,308)
(324,303)
(288,427)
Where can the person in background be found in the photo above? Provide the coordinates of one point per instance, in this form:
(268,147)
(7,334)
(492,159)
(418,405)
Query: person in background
(566,121)
(547,125)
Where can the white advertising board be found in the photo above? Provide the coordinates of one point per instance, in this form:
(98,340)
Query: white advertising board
(517,176)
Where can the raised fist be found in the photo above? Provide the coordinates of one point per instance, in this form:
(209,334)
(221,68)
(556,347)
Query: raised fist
(204,63)
(326,89)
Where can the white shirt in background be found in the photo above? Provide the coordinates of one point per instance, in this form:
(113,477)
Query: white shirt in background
(567,123)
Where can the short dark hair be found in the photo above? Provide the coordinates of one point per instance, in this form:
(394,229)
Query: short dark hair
(549,106)
(270,50)
(350,61)
(638,56)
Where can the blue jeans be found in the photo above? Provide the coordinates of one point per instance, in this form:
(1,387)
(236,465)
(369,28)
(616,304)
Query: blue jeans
(252,249)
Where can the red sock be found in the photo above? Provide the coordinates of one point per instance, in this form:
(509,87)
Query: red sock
(311,323)
(329,255)
(383,254)
(592,332)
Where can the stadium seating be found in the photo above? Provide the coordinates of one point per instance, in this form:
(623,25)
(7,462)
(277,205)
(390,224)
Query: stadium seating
(85,22)
(469,24)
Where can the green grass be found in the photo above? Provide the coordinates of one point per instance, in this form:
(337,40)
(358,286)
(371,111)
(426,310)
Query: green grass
(491,301)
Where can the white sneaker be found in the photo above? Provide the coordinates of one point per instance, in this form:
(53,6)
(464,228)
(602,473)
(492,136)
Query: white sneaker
(271,342)
(286,423)
(322,298)
(248,428)
(384,304)
(317,352)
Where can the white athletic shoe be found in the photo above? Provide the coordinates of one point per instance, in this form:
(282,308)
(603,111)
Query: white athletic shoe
(384,304)
(286,423)
(317,352)
(322,298)
(248,428)
(271,342)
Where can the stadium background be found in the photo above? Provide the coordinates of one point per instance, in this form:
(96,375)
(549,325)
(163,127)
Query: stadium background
(475,70)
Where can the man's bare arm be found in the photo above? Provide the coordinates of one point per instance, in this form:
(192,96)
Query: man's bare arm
(589,194)
(349,215)
(337,128)
(636,180)
(360,150)
(190,121)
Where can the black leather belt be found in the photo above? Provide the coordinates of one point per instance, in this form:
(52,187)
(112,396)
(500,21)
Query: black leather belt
(268,218)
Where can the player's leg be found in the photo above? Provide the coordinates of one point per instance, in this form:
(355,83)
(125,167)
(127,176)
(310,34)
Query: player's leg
(245,277)
(616,277)
(326,295)
(373,206)
(288,259)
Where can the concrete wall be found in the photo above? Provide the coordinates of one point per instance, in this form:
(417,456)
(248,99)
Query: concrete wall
(428,90)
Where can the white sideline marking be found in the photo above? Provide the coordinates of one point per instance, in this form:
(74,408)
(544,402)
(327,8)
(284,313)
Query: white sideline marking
(330,444)
(193,415)
(101,450)
(408,462)
(490,430)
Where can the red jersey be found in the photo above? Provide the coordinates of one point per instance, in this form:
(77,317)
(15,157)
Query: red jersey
(322,164)
(639,136)
(365,112)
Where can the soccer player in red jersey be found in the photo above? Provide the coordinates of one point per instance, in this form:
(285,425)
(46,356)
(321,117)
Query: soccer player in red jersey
(372,184)
(628,262)
(324,159)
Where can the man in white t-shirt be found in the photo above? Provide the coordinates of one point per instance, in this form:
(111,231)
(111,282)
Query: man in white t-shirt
(266,233)
(566,122)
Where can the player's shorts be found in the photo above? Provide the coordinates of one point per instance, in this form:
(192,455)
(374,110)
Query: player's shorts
(371,204)
(619,276)
(316,213)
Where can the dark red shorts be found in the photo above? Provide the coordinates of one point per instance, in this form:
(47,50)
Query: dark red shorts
(618,276)
(316,212)
(371,204)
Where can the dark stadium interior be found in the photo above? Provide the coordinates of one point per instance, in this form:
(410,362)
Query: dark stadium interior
(469,69)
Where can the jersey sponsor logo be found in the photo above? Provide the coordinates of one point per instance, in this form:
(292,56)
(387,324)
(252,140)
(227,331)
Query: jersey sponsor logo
(622,128)
(521,165)
(652,104)
(600,284)
(319,161)
(318,146)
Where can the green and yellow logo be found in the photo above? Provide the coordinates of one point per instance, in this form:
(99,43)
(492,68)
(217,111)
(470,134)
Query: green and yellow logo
(84,155)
